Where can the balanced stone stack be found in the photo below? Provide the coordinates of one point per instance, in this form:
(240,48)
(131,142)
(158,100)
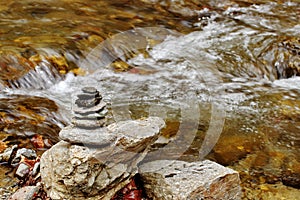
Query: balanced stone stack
(95,160)
(89,109)
(102,166)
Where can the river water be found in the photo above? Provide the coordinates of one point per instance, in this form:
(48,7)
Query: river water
(223,75)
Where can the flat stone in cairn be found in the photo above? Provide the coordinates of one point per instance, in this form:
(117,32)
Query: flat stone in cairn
(89,123)
(85,111)
(131,135)
(77,135)
(177,180)
(89,90)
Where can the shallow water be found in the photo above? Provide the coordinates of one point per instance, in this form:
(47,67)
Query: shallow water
(216,71)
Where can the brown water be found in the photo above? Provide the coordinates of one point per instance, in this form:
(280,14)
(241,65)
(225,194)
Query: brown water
(204,65)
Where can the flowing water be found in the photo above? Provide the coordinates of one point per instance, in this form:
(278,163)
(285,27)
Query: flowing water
(223,75)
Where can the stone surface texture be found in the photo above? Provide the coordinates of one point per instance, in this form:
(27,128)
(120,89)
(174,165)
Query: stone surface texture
(128,133)
(177,180)
(25,193)
(71,171)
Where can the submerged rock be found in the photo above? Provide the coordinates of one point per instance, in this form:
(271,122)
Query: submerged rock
(26,116)
(169,179)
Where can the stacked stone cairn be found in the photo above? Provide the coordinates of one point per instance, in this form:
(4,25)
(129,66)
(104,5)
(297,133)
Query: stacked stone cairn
(95,160)
(90,110)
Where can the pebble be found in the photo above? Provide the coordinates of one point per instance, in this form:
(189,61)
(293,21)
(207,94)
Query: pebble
(6,155)
(36,169)
(89,90)
(28,153)
(22,170)
(25,193)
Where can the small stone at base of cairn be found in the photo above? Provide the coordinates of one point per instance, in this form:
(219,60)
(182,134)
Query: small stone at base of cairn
(90,111)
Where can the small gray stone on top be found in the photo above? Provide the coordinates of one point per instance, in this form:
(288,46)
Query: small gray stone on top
(89,90)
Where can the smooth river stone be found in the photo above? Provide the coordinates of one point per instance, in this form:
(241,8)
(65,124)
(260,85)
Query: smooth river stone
(94,115)
(87,103)
(89,96)
(85,111)
(89,123)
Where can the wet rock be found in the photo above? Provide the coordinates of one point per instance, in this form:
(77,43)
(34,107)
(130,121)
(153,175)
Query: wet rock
(185,8)
(3,146)
(272,173)
(104,167)
(28,153)
(98,137)
(277,165)
(231,148)
(25,193)
(73,172)
(25,116)
(36,169)
(5,193)
(168,179)
(22,170)
(284,57)
(6,155)
(21,71)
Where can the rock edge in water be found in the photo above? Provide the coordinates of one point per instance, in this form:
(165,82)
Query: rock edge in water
(177,180)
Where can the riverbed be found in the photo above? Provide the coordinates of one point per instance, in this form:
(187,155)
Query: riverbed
(224,75)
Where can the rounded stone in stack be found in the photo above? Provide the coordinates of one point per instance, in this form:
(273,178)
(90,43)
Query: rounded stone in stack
(89,109)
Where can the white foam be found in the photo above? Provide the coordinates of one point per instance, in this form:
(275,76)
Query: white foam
(290,83)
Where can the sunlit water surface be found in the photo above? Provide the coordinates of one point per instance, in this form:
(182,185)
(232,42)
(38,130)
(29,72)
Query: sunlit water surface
(218,78)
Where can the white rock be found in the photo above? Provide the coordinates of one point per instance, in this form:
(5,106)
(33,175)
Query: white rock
(71,171)
(177,180)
